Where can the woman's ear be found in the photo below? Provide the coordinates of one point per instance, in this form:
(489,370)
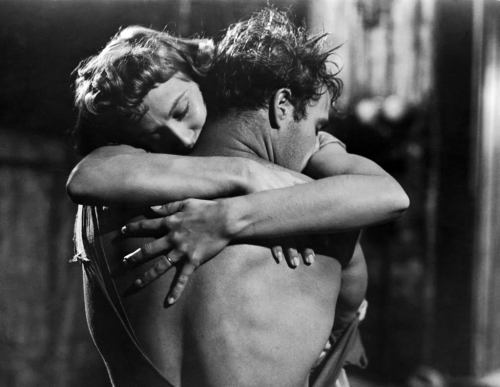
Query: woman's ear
(281,109)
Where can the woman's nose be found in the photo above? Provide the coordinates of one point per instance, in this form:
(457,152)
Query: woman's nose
(186,135)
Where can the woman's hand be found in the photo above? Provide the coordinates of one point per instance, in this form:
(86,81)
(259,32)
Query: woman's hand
(192,232)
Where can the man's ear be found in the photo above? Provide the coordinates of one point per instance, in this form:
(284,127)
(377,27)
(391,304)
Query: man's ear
(281,109)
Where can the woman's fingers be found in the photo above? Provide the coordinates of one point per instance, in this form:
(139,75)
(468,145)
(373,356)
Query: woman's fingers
(278,254)
(160,267)
(147,252)
(292,257)
(147,227)
(169,208)
(309,256)
(180,283)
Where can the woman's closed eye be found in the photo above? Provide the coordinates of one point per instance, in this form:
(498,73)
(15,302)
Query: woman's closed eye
(181,112)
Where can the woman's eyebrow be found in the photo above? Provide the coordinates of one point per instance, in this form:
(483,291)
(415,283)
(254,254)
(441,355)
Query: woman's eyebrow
(176,102)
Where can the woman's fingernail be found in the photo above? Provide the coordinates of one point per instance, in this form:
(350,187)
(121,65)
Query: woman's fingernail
(295,261)
(156,208)
(310,259)
(168,301)
(279,256)
(123,230)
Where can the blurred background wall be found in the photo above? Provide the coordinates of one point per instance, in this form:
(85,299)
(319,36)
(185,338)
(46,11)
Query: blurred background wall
(422,85)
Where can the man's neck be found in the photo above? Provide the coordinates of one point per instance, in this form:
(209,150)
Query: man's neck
(237,134)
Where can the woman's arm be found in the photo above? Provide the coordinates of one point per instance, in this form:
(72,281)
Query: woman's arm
(362,194)
(357,193)
(352,192)
(124,174)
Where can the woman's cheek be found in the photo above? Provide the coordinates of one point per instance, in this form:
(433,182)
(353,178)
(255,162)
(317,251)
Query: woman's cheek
(201,115)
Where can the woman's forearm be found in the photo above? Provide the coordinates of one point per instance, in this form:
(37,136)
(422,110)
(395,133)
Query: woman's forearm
(352,192)
(333,204)
(356,193)
(122,174)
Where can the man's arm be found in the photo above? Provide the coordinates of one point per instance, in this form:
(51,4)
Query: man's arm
(353,290)
(124,174)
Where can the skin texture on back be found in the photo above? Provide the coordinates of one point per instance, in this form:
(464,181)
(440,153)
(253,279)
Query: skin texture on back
(243,320)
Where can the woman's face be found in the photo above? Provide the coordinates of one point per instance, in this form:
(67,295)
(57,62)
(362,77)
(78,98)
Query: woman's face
(176,114)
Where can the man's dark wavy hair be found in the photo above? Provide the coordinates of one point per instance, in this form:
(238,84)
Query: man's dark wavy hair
(258,56)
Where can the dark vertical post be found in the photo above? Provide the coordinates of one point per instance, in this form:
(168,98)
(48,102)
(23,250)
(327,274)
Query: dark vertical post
(455,201)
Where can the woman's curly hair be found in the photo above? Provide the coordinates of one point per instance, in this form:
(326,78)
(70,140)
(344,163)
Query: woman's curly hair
(258,56)
(110,86)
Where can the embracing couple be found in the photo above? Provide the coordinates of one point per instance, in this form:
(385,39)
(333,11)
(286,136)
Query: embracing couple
(251,274)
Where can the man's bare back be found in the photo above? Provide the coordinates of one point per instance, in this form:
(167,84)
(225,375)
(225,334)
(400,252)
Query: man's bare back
(243,320)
